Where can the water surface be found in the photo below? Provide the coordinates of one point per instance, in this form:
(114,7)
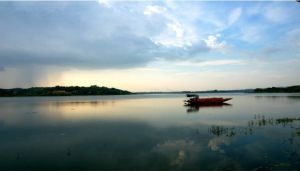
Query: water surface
(150,132)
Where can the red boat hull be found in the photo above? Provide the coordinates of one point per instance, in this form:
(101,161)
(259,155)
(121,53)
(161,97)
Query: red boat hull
(207,101)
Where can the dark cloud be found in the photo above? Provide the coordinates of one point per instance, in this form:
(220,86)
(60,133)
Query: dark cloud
(80,35)
(114,52)
(186,53)
(59,38)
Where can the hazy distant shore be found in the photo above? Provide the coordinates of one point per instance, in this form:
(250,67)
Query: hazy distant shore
(290,89)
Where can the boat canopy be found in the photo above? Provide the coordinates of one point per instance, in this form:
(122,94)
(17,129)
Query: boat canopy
(192,95)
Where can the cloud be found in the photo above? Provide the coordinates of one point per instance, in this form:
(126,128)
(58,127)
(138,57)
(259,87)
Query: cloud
(124,35)
(2,68)
(154,9)
(216,143)
(172,36)
(213,42)
(29,76)
(175,30)
(105,3)
(234,16)
(91,36)
(83,39)
(173,53)
(112,52)
(210,63)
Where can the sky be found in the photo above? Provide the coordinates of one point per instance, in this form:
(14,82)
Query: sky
(150,45)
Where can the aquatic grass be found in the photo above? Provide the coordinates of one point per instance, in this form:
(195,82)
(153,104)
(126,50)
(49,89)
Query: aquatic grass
(259,121)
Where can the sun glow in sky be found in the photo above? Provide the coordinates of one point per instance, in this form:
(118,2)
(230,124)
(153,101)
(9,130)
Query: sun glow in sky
(150,46)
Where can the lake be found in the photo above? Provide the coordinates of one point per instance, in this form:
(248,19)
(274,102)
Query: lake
(149,132)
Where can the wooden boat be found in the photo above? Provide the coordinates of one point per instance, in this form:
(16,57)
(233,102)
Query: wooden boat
(206,101)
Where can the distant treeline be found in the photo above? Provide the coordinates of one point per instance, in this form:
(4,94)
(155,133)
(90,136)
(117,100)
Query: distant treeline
(291,89)
(191,92)
(222,91)
(62,91)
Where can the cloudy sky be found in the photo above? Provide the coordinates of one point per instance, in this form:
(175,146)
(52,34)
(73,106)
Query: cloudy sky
(150,46)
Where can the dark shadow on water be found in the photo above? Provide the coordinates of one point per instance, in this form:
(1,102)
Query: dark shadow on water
(196,108)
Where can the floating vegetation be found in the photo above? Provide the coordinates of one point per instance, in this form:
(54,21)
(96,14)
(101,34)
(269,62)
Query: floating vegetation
(220,130)
(285,121)
(262,168)
(276,166)
(282,165)
(259,121)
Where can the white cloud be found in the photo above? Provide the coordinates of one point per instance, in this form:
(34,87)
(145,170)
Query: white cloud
(173,35)
(154,9)
(106,3)
(213,42)
(234,16)
(175,30)
(211,63)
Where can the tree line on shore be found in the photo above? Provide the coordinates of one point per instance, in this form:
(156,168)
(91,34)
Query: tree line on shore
(62,91)
(290,89)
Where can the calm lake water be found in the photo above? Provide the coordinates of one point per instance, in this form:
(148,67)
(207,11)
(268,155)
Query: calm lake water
(149,132)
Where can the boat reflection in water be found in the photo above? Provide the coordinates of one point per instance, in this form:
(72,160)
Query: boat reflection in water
(196,108)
